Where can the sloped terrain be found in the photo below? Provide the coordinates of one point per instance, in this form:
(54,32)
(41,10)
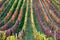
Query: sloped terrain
(29,20)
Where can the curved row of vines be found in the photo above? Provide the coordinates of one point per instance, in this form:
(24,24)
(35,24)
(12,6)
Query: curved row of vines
(29,20)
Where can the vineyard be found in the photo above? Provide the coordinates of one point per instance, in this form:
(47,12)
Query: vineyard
(29,20)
